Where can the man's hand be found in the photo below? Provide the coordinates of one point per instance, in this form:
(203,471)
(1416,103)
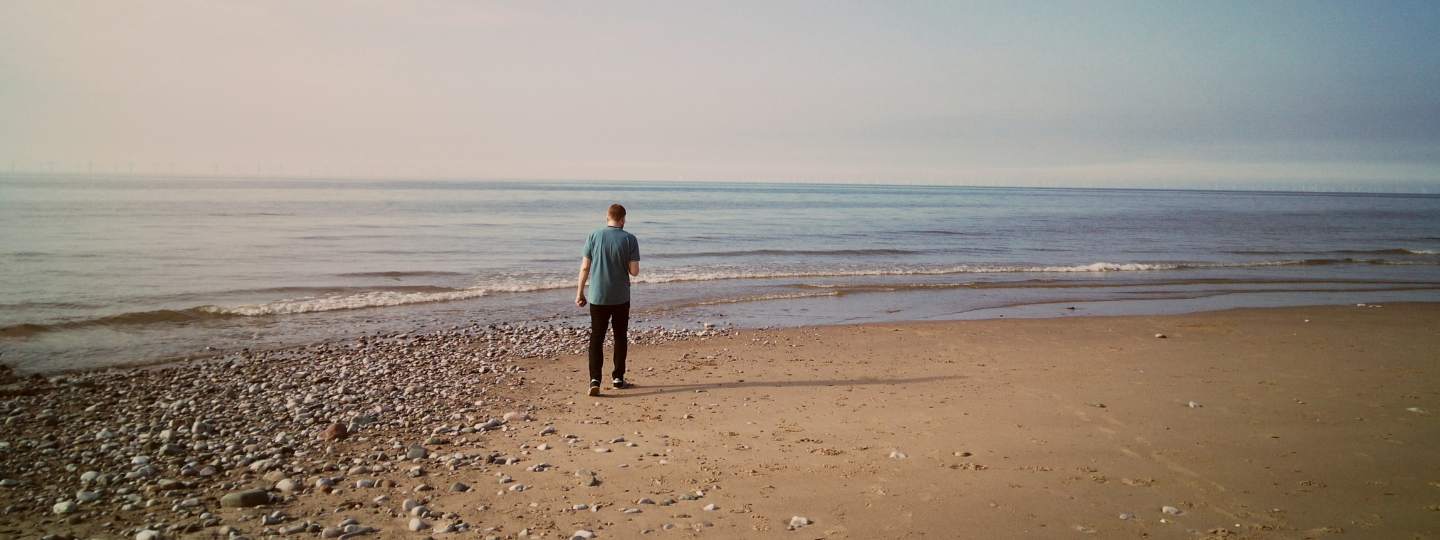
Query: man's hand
(580,287)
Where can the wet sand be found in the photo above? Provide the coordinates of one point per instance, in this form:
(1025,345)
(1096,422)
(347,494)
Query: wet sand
(1311,422)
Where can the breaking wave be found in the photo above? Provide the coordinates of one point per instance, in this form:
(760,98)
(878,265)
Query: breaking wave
(1386,251)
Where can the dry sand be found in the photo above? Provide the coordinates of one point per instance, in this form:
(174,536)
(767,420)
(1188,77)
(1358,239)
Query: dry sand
(1312,422)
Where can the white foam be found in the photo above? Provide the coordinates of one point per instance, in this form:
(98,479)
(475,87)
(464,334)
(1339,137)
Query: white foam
(371,299)
(764,297)
(314,304)
(664,277)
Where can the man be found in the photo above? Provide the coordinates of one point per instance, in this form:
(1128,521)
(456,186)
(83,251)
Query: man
(613,255)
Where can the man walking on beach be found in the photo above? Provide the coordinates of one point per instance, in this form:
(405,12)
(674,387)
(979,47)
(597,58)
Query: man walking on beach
(612,255)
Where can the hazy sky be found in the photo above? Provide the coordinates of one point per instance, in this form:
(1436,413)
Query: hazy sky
(1056,93)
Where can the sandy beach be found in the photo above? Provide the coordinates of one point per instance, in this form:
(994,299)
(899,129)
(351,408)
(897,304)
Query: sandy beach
(1313,422)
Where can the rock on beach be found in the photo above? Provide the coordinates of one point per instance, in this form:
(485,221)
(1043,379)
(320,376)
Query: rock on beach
(245,499)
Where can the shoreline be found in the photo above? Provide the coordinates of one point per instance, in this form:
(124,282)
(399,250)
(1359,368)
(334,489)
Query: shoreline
(685,318)
(1000,427)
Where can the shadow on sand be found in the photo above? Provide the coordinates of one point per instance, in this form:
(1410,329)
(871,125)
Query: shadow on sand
(638,390)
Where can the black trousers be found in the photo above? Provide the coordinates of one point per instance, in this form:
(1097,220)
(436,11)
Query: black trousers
(618,317)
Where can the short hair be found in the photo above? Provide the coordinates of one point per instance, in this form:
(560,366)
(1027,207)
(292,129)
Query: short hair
(616,212)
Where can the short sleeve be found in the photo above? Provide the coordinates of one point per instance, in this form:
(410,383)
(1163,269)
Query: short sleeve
(634,250)
(589,246)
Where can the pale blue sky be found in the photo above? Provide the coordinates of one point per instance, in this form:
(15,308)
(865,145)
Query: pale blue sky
(1164,94)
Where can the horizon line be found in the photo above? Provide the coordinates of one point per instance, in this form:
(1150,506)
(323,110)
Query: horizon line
(1426,186)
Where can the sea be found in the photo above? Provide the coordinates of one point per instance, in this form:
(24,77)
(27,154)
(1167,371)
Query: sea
(113,272)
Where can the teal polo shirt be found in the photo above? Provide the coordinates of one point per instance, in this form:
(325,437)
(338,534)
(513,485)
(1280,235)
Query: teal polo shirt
(610,250)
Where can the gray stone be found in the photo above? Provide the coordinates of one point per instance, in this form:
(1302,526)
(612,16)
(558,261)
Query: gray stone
(148,534)
(797,522)
(417,524)
(63,508)
(416,452)
(245,499)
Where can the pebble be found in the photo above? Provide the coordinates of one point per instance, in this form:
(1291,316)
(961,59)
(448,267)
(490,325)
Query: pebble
(63,508)
(1126,516)
(1159,336)
(245,499)
(416,452)
(417,524)
(582,534)
(515,416)
(896,454)
(797,522)
(711,507)
(1194,405)
(334,432)
(148,534)
(1171,510)
(459,487)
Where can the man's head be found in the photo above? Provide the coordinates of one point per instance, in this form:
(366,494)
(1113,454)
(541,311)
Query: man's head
(615,215)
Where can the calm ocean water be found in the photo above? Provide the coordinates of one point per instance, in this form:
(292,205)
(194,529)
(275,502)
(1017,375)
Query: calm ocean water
(114,271)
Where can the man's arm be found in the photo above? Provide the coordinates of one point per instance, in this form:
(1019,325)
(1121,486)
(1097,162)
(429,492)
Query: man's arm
(584,276)
(633,266)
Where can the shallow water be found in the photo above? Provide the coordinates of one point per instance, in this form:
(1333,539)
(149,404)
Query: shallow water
(116,270)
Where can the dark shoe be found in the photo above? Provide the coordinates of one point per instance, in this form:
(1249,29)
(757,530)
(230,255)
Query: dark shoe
(619,383)
(594,387)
